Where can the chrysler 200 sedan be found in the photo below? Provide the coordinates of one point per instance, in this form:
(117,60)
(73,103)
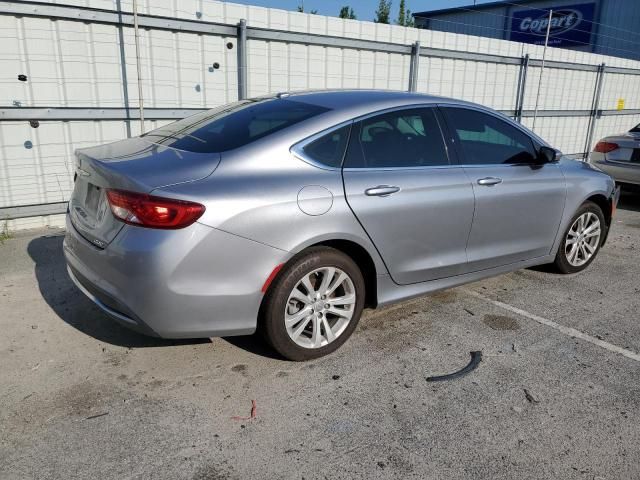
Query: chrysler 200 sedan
(290,214)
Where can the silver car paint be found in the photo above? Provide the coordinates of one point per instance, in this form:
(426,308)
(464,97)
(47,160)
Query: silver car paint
(617,163)
(516,219)
(184,283)
(207,279)
(135,165)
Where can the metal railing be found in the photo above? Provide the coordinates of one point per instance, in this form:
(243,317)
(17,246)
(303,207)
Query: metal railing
(244,33)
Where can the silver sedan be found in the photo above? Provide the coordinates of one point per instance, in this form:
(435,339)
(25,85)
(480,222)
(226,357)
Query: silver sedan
(619,156)
(292,213)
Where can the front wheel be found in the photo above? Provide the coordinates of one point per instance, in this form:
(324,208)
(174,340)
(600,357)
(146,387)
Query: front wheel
(582,240)
(314,304)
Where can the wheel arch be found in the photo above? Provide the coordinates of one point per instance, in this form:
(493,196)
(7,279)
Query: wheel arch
(365,263)
(369,264)
(606,205)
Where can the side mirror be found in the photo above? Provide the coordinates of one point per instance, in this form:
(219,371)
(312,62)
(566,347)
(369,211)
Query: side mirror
(549,155)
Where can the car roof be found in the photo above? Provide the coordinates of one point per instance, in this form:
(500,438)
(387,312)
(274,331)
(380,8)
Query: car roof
(345,105)
(353,103)
(360,98)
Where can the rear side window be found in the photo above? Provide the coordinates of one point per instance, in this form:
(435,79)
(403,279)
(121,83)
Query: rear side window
(329,149)
(486,140)
(234,125)
(403,138)
(635,129)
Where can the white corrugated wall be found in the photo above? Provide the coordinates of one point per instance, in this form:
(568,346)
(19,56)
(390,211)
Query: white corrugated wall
(78,64)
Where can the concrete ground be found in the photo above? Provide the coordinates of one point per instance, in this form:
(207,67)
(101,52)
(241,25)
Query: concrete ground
(81,397)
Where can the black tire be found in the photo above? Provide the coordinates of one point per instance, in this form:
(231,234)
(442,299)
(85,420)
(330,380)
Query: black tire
(561,262)
(272,321)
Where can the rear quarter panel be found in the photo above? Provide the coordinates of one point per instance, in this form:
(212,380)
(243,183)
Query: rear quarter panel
(258,193)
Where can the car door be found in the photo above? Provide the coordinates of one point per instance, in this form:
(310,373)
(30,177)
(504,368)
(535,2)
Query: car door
(415,205)
(519,200)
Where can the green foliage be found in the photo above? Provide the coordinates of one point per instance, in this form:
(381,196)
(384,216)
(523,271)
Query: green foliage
(405,18)
(5,234)
(383,12)
(301,10)
(347,12)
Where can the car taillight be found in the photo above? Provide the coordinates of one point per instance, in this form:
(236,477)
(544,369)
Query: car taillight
(606,147)
(152,212)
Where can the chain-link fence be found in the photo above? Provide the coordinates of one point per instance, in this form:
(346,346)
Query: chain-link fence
(69,79)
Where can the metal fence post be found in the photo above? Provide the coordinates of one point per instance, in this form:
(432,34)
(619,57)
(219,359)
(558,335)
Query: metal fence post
(137,41)
(123,68)
(522,83)
(414,66)
(242,59)
(595,110)
(544,56)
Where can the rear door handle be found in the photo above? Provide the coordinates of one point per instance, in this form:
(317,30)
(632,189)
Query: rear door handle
(489,181)
(381,191)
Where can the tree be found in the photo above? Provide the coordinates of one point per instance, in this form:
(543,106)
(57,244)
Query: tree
(405,18)
(301,10)
(347,12)
(383,11)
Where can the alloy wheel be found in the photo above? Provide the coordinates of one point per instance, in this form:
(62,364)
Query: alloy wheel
(583,239)
(320,307)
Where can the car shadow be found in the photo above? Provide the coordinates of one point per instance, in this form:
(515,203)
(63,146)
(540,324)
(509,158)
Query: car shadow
(254,344)
(74,308)
(629,199)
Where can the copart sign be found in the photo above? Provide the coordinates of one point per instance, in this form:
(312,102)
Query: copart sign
(570,25)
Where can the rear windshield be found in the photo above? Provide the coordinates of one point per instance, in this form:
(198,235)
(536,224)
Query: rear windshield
(233,125)
(635,129)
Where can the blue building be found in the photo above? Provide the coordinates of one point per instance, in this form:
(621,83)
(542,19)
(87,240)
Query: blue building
(608,27)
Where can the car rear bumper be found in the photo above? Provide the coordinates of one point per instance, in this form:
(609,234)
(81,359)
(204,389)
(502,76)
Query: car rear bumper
(624,172)
(194,282)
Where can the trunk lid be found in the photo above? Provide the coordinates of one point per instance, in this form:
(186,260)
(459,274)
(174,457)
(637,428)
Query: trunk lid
(133,164)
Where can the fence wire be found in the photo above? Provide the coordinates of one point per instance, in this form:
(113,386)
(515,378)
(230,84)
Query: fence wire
(76,65)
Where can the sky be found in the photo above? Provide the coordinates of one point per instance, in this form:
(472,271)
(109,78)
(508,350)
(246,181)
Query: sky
(364,9)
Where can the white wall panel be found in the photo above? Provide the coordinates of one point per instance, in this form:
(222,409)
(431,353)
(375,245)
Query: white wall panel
(566,133)
(80,64)
(37,165)
(620,86)
(560,89)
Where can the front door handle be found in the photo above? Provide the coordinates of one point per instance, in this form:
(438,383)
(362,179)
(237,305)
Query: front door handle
(489,181)
(381,191)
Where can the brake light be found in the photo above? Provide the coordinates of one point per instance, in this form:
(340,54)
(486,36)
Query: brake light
(606,147)
(153,212)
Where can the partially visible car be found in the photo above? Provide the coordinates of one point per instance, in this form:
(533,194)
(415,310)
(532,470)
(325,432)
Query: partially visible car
(619,156)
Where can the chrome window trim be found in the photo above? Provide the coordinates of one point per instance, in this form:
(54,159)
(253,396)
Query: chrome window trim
(297,150)
(536,141)
(413,106)
(395,169)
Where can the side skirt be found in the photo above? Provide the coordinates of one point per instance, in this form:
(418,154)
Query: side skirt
(390,292)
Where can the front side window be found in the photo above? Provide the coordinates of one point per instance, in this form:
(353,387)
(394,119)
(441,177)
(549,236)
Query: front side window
(234,125)
(486,140)
(403,138)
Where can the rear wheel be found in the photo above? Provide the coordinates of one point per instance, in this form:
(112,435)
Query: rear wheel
(314,304)
(582,239)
